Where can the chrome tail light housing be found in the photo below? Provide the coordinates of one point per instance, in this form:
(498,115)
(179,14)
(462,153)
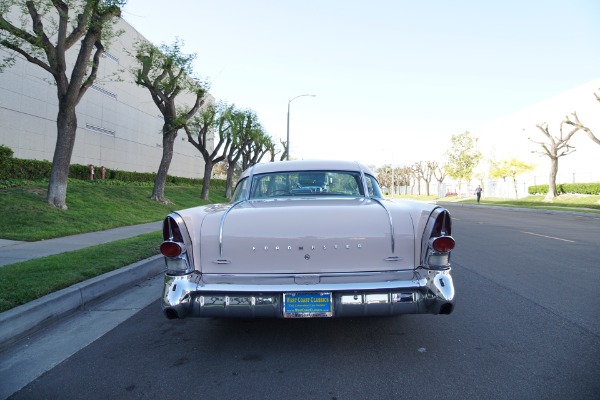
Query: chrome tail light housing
(176,246)
(437,242)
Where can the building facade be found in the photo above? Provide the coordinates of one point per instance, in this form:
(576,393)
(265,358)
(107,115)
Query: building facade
(119,126)
(517,136)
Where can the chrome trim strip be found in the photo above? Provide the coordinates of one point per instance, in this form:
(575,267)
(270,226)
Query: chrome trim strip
(393,258)
(392,231)
(386,275)
(222,224)
(318,287)
(366,195)
(245,198)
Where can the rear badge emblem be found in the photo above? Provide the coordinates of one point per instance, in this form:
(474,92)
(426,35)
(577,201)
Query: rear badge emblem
(307,256)
(312,247)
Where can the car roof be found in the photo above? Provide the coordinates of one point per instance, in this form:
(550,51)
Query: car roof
(307,165)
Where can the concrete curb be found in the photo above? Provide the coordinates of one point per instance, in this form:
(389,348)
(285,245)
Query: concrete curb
(28,318)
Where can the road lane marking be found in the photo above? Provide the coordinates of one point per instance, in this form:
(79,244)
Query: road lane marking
(549,237)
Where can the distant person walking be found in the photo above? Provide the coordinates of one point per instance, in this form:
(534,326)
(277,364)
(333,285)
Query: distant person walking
(478,193)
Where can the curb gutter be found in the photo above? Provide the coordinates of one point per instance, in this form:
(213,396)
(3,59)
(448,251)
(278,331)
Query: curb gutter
(31,317)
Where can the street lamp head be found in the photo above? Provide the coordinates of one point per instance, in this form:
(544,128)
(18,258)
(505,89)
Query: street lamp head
(302,95)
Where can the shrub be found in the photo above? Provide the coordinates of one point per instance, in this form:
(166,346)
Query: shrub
(5,152)
(563,188)
(15,169)
(538,189)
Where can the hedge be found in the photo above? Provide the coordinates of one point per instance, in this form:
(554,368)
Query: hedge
(563,188)
(16,169)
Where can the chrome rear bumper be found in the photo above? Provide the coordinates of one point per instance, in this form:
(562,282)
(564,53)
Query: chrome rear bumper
(191,296)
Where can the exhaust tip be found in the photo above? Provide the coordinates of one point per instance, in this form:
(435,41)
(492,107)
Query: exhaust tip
(171,314)
(446,309)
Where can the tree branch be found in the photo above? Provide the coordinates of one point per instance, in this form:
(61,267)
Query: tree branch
(27,56)
(41,40)
(94,72)
(576,123)
(83,21)
(17,32)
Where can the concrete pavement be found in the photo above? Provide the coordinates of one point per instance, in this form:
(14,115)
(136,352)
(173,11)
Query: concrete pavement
(28,318)
(29,358)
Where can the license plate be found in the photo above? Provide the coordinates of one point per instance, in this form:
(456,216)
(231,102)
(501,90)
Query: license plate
(307,305)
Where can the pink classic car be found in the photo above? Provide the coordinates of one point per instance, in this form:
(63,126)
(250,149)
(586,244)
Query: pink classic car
(304,239)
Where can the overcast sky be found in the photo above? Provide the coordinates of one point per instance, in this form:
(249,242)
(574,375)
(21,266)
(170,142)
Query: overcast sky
(393,80)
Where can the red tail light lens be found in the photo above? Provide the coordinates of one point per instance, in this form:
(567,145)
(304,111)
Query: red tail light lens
(170,249)
(443,244)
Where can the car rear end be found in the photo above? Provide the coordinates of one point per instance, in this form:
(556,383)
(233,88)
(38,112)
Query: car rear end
(308,258)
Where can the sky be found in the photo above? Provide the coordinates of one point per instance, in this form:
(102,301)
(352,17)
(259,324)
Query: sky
(393,80)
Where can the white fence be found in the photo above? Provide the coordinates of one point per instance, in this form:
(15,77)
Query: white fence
(499,188)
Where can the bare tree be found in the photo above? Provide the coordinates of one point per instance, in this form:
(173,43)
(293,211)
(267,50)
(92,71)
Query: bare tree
(384,176)
(439,172)
(424,171)
(577,124)
(167,73)
(573,120)
(555,148)
(258,146)
(54,28)
(418,171)
(405,177)
(284,153)
(429,168)
(213,123)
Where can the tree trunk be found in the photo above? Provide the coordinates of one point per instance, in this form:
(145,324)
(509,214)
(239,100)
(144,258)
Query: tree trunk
(158,192)
(208,167)
(552,193)
(66,123)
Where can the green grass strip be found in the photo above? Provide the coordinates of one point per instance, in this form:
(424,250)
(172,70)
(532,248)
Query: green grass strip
(586,204)
(28,280)
(24,215)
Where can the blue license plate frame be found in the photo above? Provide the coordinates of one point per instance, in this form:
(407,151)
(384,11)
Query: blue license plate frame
(307,305)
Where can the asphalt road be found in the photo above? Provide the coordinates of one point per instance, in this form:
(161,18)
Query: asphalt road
(525,326)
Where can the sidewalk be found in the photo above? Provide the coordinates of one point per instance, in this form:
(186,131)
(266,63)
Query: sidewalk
(28,318)
(12,251)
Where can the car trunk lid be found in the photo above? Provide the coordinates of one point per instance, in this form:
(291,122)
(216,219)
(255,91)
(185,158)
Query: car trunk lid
(306,236)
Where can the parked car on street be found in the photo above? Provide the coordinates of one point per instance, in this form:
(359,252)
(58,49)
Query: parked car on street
(304,239)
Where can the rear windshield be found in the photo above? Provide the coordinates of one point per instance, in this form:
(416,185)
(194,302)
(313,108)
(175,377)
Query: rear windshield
(307,183)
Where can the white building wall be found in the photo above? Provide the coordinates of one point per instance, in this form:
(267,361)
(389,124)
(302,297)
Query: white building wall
(119,126)
(509,137)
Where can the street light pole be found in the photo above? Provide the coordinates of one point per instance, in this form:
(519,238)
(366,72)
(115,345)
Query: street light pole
(288,122)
